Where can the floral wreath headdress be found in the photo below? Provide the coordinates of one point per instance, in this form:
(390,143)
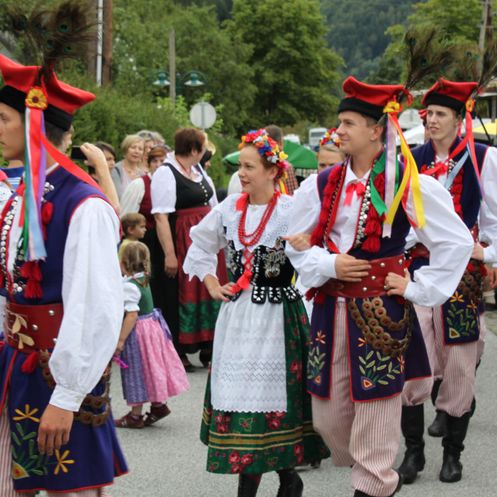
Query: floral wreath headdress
(330,138)
(267,148)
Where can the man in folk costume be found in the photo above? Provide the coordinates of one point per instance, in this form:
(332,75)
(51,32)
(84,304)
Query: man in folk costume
(452,330)
(60,274)
(365,336)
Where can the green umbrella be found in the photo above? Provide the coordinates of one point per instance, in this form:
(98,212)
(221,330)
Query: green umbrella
(299,156)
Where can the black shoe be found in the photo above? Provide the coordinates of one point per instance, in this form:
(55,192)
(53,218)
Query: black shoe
(439,426)
(360,493)
(248,485)
(291,485)
(205,357)
(412,423)
(453,446)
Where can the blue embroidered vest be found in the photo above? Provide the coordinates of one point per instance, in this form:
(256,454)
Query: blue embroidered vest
(375,374)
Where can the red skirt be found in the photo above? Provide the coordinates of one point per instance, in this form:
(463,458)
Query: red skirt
(197,310)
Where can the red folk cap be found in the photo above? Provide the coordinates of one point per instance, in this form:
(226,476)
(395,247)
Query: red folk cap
(450,94)
(369,100)
(63,100)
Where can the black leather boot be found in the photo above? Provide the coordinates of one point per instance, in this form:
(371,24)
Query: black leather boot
(248,485)
(439,426)
(453,446)
(291,485)
(434,391)
(412,423)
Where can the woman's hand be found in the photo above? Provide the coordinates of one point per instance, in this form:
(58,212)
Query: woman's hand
(216,290)
(396,284)
(349,268)
(171,265)
(299,241)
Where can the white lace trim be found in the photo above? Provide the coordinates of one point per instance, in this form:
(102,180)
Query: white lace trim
(276,227)
(249,362)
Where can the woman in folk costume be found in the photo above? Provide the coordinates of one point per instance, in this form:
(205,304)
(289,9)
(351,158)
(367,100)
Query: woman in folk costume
(182,194)
(64,304)
(365,336)
(453,331)
(257,414)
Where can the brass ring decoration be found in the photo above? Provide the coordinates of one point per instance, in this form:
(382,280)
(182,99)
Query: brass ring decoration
(374,322)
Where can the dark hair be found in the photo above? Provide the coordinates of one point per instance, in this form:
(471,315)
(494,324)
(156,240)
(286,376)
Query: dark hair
(187,140)
(54,134)
(206,158)
(106,147)
(275,132)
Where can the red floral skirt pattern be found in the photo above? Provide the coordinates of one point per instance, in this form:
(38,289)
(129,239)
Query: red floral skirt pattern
(254,443)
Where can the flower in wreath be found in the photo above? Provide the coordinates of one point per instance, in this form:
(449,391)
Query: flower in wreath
(298,450)
(303,319)
(234,457)
(247,459)
(296,368)
(62,461)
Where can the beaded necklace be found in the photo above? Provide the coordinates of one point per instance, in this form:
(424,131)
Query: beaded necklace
(251,239)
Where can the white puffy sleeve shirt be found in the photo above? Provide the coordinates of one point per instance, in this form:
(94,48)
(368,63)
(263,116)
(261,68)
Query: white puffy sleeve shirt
(445,235)
(488,210)
(93,301)
(163,188)
(221,225)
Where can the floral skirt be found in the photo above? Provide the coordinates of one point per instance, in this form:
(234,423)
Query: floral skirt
(259,442)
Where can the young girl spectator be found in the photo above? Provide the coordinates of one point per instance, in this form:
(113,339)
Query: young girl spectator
(154,372)
(134,227)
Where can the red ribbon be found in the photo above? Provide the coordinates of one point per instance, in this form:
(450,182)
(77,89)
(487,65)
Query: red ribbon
(355,187)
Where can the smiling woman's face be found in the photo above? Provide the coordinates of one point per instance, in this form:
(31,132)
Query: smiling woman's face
(254,176)
(11,133)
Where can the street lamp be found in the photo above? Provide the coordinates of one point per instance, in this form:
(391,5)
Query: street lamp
(191,79)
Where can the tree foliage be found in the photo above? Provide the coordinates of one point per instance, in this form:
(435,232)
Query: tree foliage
(295,74)
(357,30)
(456,21)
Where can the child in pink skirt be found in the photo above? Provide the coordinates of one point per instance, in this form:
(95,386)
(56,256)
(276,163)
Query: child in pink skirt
(154,371)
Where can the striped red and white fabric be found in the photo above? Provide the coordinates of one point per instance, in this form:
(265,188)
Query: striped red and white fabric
(6,486)
(363,434)
(458,365)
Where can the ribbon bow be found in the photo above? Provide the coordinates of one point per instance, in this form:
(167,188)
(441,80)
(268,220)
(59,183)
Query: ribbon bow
(354,187)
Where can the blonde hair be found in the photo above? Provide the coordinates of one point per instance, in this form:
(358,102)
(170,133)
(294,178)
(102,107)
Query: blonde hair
(130,140)
(332,148)
(131,220)
(135,258)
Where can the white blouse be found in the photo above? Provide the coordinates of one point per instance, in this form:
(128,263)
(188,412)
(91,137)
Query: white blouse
(92,298)
(163,188)
(133,196)
(221,225)
(445,235)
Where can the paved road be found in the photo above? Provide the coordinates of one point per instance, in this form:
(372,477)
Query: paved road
(168,460)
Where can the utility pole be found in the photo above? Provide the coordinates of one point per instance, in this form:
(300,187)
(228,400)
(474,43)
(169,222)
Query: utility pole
(107,43)
(172,65)
(91,59)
